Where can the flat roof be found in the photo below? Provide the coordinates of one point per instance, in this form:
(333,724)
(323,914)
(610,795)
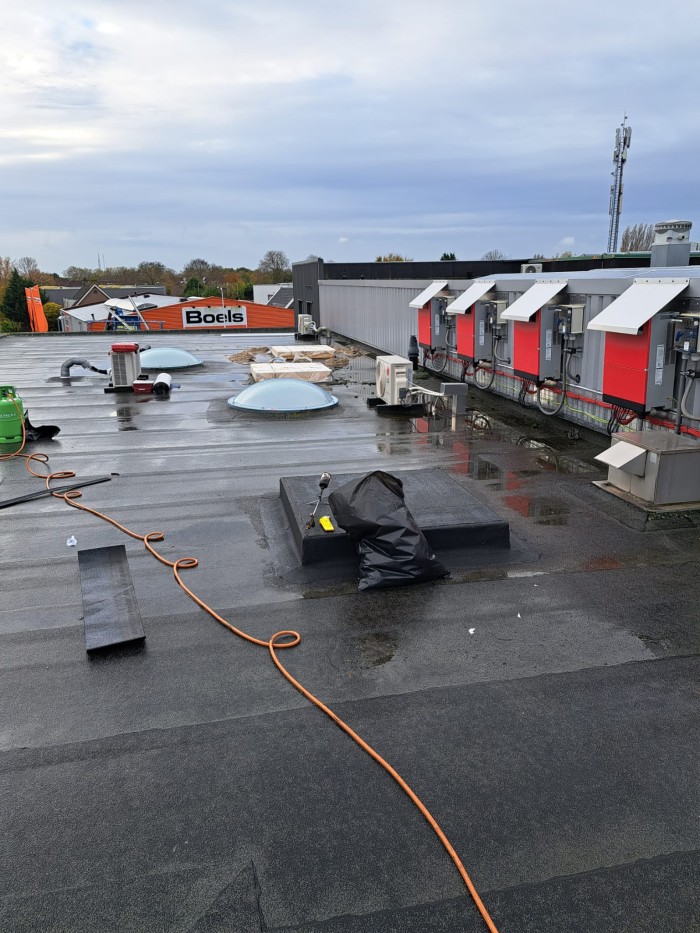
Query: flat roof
(543,705)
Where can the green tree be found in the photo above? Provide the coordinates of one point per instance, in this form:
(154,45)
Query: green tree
(6,268)
(274,267)
(192,287)
(393,257)
(52,310)
(448,257)
(239,283)
(14,302)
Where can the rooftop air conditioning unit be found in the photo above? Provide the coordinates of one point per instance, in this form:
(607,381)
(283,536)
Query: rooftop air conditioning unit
(305,324)
(531,267)
(393,378)
(126,364)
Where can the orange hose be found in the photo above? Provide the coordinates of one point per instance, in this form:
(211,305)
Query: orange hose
(291,640)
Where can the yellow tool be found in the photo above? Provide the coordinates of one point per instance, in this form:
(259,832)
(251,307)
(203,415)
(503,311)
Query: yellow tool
(326,523)
(323,483)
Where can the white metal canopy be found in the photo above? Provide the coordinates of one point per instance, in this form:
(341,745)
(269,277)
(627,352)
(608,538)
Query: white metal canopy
(637,305)
(537,295)
(475,291)
(428,293)
(625,456)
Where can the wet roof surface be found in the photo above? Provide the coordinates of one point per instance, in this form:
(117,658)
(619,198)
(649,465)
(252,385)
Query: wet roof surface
(187,787)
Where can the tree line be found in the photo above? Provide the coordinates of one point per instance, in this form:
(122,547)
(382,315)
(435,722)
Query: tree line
(201,278)
(197,277)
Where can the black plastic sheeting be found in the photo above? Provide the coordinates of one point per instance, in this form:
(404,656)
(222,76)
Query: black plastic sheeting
(393,550)
(41,432)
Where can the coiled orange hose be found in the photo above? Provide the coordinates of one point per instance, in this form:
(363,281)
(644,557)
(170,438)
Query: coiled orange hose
(278,642)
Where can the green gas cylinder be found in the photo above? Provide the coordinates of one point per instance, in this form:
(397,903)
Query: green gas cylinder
(11,416)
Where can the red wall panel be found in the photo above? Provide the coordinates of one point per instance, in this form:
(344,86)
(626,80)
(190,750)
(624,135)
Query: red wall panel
(425,334)
(526,347)
(465,334)
(626,368)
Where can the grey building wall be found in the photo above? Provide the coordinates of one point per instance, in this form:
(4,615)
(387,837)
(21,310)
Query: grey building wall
(378,314)
(305,279)
(374,313)
(307,274)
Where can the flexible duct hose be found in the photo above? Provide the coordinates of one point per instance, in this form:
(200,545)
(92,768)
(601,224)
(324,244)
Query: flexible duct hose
(77,361)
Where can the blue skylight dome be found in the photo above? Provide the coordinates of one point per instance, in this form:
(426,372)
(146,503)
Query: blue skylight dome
(165,358)
(291,395)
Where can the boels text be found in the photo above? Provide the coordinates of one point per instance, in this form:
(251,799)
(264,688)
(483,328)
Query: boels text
(212,317)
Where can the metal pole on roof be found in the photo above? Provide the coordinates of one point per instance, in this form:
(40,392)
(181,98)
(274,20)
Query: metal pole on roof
(139,315)
(623,138)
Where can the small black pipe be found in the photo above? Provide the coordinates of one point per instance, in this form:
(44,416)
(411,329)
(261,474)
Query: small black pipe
(29,497)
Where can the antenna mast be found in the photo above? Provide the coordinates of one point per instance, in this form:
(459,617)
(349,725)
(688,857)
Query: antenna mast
(623,137)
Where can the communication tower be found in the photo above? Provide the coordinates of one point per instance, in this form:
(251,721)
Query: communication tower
(623,137)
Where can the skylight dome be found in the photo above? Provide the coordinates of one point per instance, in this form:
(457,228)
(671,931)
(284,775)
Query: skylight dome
(165,358)
(283,395)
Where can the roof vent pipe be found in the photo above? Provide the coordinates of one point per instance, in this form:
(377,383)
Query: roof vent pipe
(671,246)
(76,361)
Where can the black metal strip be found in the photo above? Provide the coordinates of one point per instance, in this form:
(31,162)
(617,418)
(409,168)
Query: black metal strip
(30,496)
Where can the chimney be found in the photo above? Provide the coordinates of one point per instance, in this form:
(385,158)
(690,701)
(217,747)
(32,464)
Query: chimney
(671,246)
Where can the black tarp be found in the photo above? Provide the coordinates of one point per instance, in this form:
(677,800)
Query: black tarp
(393,550)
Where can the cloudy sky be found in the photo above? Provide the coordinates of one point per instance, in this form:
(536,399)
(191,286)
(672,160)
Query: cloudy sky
(159,131)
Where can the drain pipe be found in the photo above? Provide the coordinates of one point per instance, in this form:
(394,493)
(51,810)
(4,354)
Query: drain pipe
(681,392)
(76,361)
(682,412)
(413,351)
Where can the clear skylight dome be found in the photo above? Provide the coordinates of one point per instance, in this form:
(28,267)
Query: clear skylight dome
(291,395)
(165,358)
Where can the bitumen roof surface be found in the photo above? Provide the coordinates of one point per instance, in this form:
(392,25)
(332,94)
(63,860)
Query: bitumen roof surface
(541,702)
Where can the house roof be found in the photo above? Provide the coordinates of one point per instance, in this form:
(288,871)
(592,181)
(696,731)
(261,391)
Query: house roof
(143,302)
(89,312)
(97,293)
(283,297)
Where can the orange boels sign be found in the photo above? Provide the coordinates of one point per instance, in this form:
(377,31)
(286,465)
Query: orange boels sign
(215,317)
